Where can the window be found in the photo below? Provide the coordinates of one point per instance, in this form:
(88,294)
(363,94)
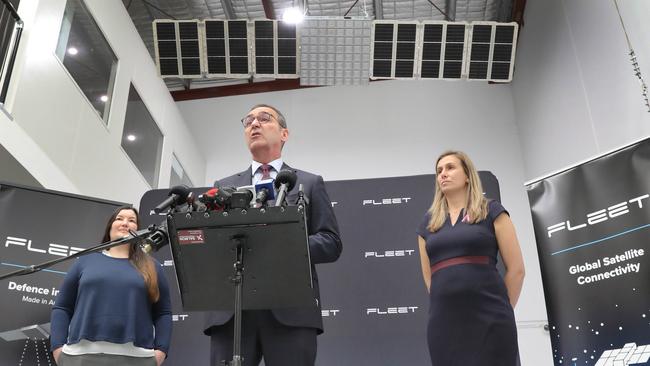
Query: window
(141,138)
(85,53)
(178,175)
(10,30)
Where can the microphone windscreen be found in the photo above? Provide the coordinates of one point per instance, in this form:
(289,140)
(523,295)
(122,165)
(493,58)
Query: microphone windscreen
(181,191)
(287,177)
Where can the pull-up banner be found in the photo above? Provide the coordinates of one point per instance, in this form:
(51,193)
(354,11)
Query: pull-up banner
(37,226)
(592,225)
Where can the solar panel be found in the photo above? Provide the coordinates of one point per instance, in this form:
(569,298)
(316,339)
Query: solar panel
(431,50)
(492,51)
(383,35)
(215,47)
(276,49)
(264,49)
(165,43)
(178,48)
(503,55)
(190,50)
(237,36)
(287,50)
(394,50)
(405,50)
(454,51)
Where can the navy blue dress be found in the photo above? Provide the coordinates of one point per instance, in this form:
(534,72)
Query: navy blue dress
(471,321)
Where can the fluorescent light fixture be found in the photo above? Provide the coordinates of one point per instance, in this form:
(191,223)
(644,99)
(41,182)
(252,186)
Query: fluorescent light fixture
(73,51)
(130,137)
(104,98)
(293,16)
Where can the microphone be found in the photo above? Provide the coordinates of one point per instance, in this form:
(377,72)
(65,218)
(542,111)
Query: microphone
(301,201)
(284,182)
(193,204)
(177,196)
(150,239)
(242,197)
(216,198)
(265,192)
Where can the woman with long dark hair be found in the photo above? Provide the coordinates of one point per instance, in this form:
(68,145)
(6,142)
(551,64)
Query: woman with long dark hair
(114,307)
(471,318)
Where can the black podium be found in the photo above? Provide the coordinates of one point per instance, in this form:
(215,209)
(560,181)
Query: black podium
(242,259)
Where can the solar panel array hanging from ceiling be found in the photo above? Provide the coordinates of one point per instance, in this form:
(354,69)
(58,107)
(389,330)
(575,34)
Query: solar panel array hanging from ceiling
(443,50)
(399,50)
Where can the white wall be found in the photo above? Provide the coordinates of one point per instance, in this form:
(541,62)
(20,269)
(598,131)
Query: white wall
(575,92)
(54,132)
(390,128)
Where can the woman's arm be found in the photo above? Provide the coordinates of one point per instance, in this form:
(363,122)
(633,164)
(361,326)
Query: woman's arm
(64,308)
(162,316)
(424,261)
(511,254)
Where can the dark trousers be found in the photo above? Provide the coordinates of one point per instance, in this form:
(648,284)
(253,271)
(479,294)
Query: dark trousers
(263,336)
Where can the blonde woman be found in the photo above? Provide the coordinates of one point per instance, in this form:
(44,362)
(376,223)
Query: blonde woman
(471,319)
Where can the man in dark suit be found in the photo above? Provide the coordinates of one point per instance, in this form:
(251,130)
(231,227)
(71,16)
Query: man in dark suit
(284,337)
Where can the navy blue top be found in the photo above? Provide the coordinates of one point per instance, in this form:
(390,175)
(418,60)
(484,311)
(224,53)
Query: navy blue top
(105,299)
(463,238)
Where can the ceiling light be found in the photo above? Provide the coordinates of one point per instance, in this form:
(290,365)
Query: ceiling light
(130,137)
(73,50)
(103,98)
(293,16)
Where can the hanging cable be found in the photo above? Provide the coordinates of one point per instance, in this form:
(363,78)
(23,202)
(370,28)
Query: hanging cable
(157,8)
(635,63)
(441,12)
(355,3)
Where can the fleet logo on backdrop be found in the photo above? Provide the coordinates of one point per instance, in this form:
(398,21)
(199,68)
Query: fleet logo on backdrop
(386,201)
(329,313)
(388,311)
(390,253)
(179,317)
(599,216)
(52,249)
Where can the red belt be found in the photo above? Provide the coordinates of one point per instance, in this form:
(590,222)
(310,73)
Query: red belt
(476,259)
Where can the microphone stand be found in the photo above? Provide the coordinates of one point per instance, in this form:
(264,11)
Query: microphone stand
(38,267)
(237,280)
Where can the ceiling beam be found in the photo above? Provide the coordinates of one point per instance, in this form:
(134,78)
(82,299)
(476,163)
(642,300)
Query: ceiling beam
(451,10)
(518,7)
(268,9)
(238,89)
(379,9)
(228,9)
